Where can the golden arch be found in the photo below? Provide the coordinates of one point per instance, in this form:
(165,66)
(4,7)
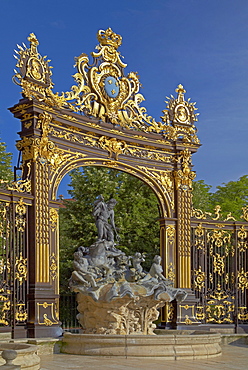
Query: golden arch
(160,192)
(93,124)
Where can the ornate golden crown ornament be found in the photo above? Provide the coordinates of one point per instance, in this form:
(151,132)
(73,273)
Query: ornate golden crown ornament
(103,91)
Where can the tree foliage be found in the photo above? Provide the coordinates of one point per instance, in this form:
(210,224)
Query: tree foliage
(136,213)
(201,196)
(6,173)
(231,197)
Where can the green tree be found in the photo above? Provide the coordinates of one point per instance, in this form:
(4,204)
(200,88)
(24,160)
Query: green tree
(6,173)
(201,196)
(232,196)
(136,214)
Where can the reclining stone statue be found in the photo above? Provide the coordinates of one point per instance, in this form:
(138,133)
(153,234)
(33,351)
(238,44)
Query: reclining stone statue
(115,295)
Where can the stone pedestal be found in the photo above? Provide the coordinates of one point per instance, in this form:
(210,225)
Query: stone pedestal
(125,315)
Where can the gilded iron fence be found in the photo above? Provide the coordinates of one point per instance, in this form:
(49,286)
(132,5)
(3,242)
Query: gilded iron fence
(68,312)
(13,263)
(219,261)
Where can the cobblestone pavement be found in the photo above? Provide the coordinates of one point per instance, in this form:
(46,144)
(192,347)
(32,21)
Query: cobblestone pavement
(234,356)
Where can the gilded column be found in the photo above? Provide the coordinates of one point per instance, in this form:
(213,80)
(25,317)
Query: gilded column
(183,179)
(42,223)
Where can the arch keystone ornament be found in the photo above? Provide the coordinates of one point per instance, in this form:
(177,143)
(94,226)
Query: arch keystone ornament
(100,122)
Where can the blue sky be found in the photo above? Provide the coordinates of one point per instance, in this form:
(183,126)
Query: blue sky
(202,44)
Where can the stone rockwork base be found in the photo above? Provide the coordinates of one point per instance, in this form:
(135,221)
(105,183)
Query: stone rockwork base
(168,347)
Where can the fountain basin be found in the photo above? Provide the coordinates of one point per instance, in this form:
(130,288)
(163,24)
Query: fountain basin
(26,355)
(168,347)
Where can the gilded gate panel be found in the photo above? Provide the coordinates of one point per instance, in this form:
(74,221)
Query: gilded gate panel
(220,271)
(13,262)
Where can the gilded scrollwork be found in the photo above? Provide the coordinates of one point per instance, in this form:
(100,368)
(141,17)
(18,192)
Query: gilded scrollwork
(179,118)
(200,314)
(219,263)
(242,279)
(42,149)
(217,215)
(220,239)
(199,279)
(22,185)
(54,216)
(112,145)
(21,269)
(33,67)
(220,306)
(53,266)
(199,214)
(46,314)
(243,313)
(103,91)
(245,213)
(20,218)
(242,239)
(164,178)
(171,272)
(4,208)
(199,237)
(171,234)
(184,176)
(5,304)
(21,314)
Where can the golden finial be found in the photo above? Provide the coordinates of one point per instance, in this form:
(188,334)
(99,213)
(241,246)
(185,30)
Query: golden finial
(181,91)
(33,39)
(110,38)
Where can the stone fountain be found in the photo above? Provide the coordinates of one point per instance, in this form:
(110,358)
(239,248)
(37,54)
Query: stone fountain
(118,301)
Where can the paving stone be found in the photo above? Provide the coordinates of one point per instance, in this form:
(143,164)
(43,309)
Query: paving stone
(233,357)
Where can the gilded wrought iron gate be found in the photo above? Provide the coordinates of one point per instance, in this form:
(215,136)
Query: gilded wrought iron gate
(220,268)
(13,264)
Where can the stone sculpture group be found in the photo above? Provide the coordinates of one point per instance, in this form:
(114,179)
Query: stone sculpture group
(114,294)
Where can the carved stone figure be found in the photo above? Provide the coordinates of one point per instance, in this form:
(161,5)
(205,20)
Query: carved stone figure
(103,213)
(115,295)
(82,273)
(156,270)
